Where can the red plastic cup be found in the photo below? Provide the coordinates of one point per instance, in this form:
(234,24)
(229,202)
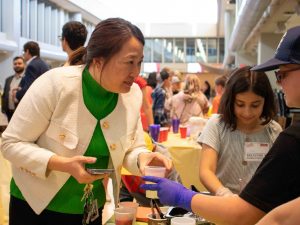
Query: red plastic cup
(183,131)
(163,134)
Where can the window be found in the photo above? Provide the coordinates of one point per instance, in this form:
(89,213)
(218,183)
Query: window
(221,50)
(184,50)
(179,50)
(157,50)
(200,50)
(190,50)
(148,50)
(212,50)
(168,50)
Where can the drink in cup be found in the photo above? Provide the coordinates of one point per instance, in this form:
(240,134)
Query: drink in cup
(124,216)
(156,171)
(132,205)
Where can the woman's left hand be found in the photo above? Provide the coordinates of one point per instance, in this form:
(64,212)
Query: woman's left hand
(154,159)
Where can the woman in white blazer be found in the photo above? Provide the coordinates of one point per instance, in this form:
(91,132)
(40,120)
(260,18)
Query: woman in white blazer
(77,117)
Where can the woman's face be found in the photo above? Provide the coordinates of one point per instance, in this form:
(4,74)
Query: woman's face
(248,108)
(290,85)
(120,71)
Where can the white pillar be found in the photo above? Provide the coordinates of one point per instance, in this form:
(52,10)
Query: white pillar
(244,58)
(266,48)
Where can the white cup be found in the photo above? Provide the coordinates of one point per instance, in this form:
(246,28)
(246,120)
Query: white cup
(183,221)
(124,216)
(157,171)
(132,205)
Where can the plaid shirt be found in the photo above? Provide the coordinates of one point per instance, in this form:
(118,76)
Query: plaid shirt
(158,107)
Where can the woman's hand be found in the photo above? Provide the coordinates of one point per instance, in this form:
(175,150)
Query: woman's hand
(76,167)
(154,159)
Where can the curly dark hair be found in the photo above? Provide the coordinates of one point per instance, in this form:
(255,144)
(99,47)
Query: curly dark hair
(243,80)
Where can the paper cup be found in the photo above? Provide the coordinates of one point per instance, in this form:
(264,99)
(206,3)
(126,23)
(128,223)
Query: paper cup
(132,205)
(124,216)
(154,131)
(183,131)
(163,134)
(156,171)
(183,221)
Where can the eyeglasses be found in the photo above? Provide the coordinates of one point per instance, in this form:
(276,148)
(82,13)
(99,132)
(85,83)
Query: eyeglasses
(280,75)
(59,37)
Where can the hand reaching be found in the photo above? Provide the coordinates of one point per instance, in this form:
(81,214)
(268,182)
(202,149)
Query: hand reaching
(170,192)
(154,159)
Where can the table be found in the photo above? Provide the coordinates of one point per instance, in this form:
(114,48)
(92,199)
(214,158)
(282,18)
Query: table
(185,153)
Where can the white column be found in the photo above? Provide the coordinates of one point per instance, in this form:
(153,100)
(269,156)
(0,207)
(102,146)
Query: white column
(41,22)
(77,17)
(266,48)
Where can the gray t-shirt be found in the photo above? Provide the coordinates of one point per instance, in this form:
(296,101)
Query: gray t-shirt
(229,146)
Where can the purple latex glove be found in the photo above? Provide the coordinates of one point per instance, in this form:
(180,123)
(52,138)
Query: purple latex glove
(170,192)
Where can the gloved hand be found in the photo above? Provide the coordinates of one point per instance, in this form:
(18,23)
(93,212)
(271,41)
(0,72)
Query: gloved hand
(223,191)
(170,192)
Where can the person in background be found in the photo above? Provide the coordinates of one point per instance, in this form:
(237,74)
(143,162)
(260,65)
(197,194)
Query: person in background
(229,139)
(159,96)
(188,102)
(12,83)
(146,110)
(206,89)
(151,80)
(286,214)
(73,36)
(276,181)
(176,85)
(219,89)
(35,68)
(79,117)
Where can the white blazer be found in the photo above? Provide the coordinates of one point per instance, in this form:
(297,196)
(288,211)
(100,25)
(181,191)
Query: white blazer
(52,119)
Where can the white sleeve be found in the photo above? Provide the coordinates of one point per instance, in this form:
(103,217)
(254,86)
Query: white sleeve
(29,121)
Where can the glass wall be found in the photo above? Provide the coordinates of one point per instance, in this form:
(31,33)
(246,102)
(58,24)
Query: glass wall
(168,50)
(179,50)
(157,50)
(184,50)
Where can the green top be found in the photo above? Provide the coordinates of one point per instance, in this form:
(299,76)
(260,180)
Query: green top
(68,199)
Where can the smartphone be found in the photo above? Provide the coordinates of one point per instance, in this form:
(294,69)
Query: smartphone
(99,171)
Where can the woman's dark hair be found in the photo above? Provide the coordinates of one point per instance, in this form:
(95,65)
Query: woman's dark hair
(106,40)
(243,80)
(207,91)
(151,80)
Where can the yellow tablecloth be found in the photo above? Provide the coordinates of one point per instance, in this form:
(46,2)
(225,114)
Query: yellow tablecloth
(185,154)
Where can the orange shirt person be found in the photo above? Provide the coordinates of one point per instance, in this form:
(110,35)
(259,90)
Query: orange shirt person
(219,88)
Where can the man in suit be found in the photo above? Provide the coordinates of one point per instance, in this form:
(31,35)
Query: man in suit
(35,67)
(73,36)
(8,105)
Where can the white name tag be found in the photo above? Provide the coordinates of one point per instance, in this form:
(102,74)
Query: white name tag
(255,151)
